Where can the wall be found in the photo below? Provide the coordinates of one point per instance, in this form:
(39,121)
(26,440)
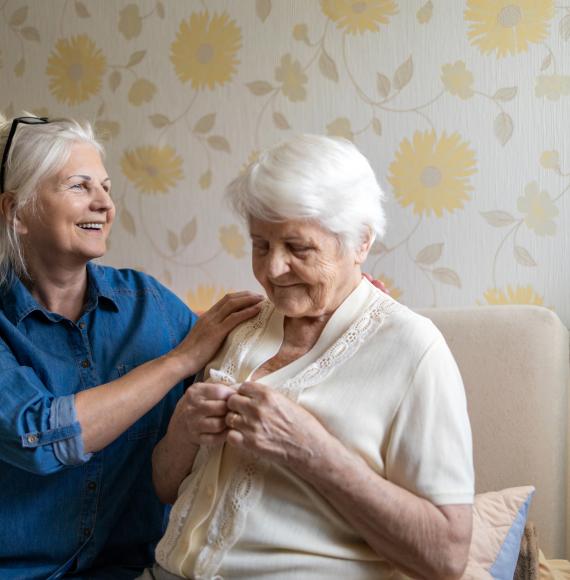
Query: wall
(460,106)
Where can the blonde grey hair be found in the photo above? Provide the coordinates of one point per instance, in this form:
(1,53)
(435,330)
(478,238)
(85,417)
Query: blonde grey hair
(313,177)
(37,153)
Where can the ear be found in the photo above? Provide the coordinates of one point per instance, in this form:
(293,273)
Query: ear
(362,250)
(10,214)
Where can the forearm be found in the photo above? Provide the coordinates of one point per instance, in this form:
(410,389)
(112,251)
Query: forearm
(407,530)
(106,411)
(172,461)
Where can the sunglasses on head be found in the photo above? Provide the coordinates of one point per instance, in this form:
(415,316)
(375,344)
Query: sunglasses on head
(17,121)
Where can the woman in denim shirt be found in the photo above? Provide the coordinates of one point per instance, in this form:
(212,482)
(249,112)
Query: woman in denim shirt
(92,363)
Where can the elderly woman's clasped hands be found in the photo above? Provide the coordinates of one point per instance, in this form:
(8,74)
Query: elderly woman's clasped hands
(250,416)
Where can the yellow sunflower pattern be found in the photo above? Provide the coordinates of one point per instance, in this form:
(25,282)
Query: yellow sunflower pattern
(391,288)
(508,27)
(75,69)
(204,296)
(152,169)
(513,295)
(358,16)
(432,174)
(232,241)
(205,50)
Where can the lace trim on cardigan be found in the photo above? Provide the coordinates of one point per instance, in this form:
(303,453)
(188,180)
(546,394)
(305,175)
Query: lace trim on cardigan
(181,509)
(228,521)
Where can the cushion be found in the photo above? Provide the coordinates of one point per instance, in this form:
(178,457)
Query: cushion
(499,519)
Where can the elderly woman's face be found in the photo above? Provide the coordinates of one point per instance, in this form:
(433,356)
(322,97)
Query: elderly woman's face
(301,266)
(74,212)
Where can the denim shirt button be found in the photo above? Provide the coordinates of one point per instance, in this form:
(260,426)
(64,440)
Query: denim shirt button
(81,325)
(91,486)
(32,438)
(86,531)
(85,363)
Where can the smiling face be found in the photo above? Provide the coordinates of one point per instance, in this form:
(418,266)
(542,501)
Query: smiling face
(302,266)
(73,215)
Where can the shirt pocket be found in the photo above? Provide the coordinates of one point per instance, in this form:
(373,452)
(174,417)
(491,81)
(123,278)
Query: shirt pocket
(150,423)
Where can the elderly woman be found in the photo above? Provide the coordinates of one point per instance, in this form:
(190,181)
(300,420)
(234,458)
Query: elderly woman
(331,438)
(92,362)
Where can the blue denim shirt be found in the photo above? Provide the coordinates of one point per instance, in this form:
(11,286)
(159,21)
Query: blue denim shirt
(61,510)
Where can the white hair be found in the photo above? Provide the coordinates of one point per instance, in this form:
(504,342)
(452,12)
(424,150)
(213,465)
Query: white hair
(37,153)
(313,177)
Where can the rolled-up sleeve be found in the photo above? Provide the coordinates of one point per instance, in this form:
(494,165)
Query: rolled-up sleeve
(68,446)
(38,431)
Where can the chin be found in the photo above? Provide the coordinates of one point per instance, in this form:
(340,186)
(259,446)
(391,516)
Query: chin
(292,308)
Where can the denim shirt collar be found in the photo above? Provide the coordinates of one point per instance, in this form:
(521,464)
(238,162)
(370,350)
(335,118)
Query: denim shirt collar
(18,303)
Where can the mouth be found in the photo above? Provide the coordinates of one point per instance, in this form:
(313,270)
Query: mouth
(281,286)
(91,226)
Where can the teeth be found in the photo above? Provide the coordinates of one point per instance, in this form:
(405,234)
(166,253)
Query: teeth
(91,226)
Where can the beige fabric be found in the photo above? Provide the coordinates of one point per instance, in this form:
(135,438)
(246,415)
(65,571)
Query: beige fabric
(553,569)
(382,380)
(514,362)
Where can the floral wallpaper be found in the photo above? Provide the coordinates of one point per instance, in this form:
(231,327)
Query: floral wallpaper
(460,106)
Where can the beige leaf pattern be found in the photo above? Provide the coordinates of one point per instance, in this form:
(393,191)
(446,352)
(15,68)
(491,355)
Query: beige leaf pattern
(384,85)
(403,74)
(430,254)
(19,16)
(188,233)
(141,91)
(263,9)
(205,124)
(328,67)
(503,127)
(219,143)
(259,88)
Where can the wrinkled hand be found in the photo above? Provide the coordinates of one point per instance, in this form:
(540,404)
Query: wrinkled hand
(271,425)
(378,283)
(200,415)
(207,335)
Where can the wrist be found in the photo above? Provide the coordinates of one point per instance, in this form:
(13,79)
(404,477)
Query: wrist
(327,459)
(180,365)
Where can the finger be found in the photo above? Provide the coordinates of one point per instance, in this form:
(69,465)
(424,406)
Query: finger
(205,409)
(212,425)
(235,438)
(234,302)
(213,438)
(252,390)
(233,420)
(239,404)
(211,391)
(214,408)
(235,318)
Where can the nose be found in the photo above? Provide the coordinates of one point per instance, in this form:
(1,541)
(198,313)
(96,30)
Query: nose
(277,263)
(101,200)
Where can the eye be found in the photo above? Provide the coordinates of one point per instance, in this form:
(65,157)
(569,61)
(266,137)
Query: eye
(77,186)
(300,250)
(259,247)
